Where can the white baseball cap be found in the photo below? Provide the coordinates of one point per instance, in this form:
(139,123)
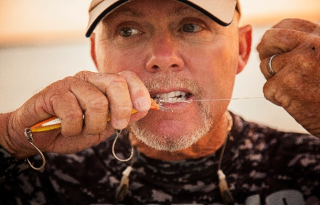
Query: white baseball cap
(221,11)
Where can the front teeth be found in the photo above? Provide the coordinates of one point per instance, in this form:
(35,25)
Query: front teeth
(172,97)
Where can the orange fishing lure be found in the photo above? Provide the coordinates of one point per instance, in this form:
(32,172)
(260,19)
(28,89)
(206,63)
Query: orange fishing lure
(55,122)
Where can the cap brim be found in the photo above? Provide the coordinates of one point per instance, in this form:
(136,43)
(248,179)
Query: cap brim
(222,12)
(100,11)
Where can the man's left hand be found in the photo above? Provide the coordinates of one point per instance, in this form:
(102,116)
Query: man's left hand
(295,84)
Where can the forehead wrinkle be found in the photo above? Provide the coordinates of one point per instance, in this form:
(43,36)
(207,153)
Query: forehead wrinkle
(122,12)
(127,12)
(180,11)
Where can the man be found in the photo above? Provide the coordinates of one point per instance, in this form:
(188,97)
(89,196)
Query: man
(184,53)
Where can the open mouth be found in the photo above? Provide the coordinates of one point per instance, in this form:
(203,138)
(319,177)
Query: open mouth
(172,97)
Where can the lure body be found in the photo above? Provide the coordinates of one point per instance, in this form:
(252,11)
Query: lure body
(55,122)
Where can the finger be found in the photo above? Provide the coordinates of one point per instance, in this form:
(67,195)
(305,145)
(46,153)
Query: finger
(67,108)
(301,60)
(116,89)
(280,41)
(94,105)
(299,25)
(285,87)
(267,67)
(75,99)
(275,93)
(139,94)
(55,100)
(277,63)
(120,102)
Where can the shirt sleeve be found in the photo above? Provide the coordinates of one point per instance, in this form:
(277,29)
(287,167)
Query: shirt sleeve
(10,167)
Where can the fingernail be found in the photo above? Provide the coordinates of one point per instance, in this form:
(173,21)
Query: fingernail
(142,104)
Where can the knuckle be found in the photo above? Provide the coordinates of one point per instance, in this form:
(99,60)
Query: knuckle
(82,75)
(118,79)
(282,99)
(277,94)
(64,85)
(142,91)
(56,87)
(93,130)
(115,81)
(269,32)
(291,80)
(67,81)
(68,78)
(125,110)
(99,103)
(74,116)
(283,22)
(118,83)
(267,91)
(121,114)
(260,48)
(263,65)
(305,63)
(127,73)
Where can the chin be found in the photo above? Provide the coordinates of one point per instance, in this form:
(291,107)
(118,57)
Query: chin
(173,137)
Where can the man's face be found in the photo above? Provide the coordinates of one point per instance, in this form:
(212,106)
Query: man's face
(175,50)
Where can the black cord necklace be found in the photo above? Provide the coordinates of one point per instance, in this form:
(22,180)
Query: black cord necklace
(223,185)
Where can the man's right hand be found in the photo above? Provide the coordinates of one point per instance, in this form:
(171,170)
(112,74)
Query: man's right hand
(93,96)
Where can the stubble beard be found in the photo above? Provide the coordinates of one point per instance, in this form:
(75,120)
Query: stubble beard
(177,142)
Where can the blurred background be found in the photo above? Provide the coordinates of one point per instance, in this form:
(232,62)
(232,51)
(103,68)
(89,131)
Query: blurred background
(42,41)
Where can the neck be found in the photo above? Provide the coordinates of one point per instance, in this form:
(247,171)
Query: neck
(207,145)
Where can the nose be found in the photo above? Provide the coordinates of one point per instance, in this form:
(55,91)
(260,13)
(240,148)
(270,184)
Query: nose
(164,55)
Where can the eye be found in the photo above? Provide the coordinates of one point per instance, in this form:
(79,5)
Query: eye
(127,32)
(191,28)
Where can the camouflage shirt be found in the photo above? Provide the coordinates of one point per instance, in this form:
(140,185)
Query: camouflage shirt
(262,166)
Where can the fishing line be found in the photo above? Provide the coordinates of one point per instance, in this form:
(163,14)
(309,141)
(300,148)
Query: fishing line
(227,99)
(208,100)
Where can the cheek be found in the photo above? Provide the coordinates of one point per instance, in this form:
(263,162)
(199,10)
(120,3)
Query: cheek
(215,66)
(114,60)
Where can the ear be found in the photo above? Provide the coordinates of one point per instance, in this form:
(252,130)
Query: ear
(245,42)
(93,50)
